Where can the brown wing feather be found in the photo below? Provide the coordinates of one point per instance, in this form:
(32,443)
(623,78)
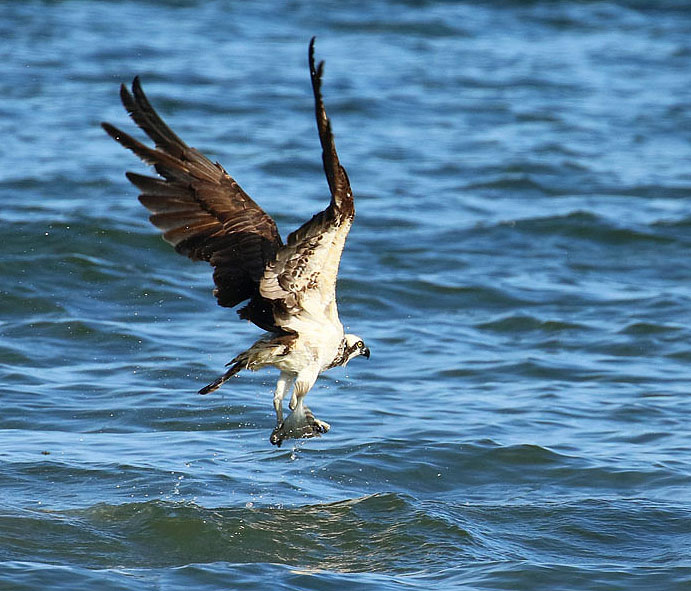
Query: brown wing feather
(305,270)
(339,185)
(201,210)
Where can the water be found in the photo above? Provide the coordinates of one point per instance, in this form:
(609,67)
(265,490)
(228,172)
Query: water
(520,267)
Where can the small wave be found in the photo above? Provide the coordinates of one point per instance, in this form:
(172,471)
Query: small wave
(650,328)
(584,225)
(523,323)
(383,533)
(522,182)
(354,535)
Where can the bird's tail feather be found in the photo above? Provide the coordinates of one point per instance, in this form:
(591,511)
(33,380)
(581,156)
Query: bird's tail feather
(235,368)
(259,355)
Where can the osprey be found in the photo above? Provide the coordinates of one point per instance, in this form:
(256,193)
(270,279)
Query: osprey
(290,288)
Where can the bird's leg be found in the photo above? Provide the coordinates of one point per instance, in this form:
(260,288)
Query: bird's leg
(301,422)
(285,381)
(303,384)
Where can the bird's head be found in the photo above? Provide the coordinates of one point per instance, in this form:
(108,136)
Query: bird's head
(355,347)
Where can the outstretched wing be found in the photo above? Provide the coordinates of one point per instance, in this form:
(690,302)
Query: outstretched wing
(201,210)
(302,278)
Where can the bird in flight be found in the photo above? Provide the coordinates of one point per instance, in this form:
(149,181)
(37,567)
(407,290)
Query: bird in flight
(289,288)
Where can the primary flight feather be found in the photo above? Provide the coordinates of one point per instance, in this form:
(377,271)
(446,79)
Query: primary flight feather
(290,288)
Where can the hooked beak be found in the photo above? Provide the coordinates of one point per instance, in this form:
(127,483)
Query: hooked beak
(366,352)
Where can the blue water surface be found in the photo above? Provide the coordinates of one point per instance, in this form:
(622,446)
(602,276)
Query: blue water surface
(520,266)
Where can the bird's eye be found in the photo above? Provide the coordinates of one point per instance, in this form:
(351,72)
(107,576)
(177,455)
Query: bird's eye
(360,345)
